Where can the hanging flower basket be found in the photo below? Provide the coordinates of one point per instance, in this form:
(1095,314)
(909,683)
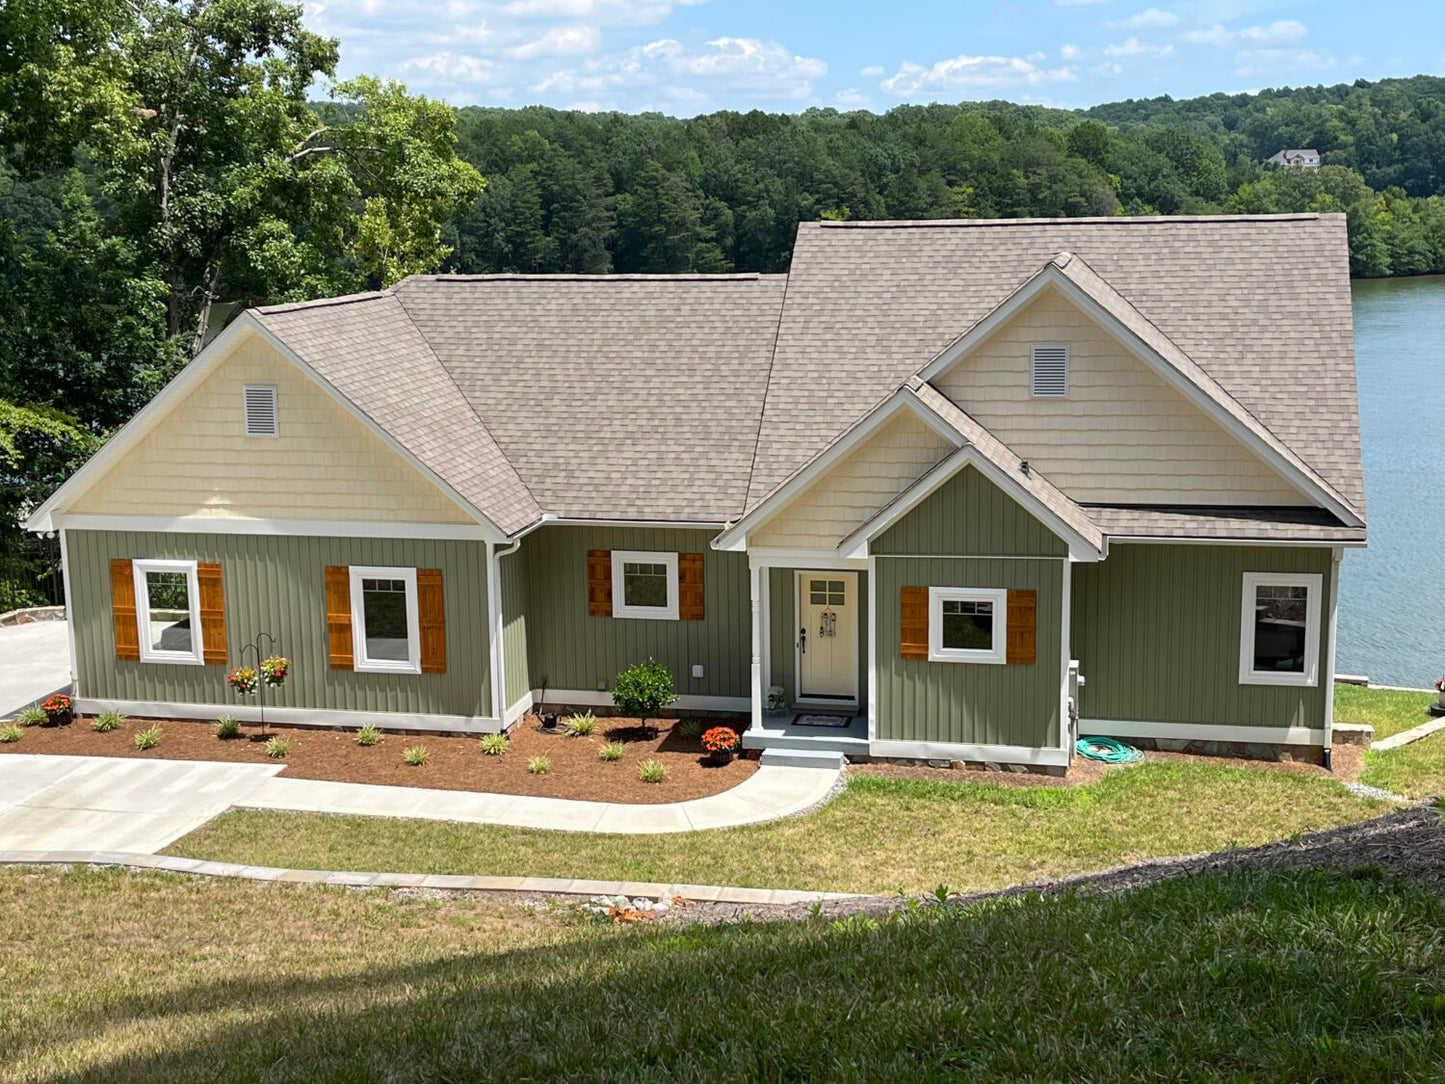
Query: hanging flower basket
(721,742)
(275,670)
(57,709)
(243,680)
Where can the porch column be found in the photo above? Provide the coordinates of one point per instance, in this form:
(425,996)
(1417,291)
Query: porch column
(755,594)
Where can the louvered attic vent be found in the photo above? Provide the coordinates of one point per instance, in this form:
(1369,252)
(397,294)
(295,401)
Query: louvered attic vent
(261,410)
(1049,372)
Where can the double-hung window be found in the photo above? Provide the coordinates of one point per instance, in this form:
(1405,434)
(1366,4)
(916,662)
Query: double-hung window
(644,584)
(385,627)
(1279,636)
(967,624)
(168,611)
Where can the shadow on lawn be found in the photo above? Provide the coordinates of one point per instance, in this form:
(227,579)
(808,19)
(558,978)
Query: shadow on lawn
(1246,973)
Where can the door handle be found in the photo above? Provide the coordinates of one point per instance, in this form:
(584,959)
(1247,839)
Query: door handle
(803,639)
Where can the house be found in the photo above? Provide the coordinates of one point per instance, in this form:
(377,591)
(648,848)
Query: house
(956,482)
(1296,159)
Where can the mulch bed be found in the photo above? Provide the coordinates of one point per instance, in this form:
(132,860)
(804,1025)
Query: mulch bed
(455,762)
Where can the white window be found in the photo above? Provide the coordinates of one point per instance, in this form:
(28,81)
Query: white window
(1049,371)
(644,584)
(385,630)
(260,406)
(168,611)
(1279,635)
(967,624)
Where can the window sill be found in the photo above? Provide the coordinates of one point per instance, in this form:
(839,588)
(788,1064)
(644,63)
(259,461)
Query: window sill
(1299,681)
(988,658)
(360,667)
(172,660)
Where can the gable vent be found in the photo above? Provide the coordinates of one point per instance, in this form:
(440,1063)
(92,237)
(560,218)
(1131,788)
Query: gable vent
(1049,372)
(261,410)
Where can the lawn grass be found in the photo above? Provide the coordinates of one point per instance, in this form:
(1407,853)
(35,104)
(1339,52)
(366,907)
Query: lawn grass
(1416,770)
(879,836)
(1252,975)
(1389,711)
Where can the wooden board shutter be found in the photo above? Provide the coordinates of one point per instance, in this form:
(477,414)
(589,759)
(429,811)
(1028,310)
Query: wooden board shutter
(1023,623)
(122,611)
(689,586)
(599,583)
(338,616)
(913,623)
(213,613)
(432,619)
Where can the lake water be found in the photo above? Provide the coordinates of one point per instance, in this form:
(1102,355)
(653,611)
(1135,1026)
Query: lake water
(1392,595)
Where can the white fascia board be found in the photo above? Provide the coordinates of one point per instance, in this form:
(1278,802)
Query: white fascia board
(778,557)
(735,537)
(309,528)
(1165,540)
(1052,275)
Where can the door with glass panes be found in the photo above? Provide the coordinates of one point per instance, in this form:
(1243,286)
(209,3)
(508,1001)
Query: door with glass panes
(827,639)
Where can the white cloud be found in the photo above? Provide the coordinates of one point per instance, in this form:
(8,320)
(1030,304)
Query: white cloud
(560,41)
(872,71)
(1132,46)
(1070,52)
(1273,62)
(610,12)
(1280,32)
(852,98)
(1152,17)
(453,66)
(972,73)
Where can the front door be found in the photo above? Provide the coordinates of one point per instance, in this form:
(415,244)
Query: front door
(827,641)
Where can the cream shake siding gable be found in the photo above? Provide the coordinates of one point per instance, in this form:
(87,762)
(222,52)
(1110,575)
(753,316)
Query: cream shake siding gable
(1122,435)
(849,493)
(324,464)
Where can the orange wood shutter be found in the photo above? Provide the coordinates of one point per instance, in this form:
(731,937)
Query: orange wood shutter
(122,610)
(599,583)
(913,623)
(1023,622)
(338,616)
(213,613)
(432,617)
(689,586)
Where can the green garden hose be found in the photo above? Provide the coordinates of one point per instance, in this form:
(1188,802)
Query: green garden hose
(1108,750)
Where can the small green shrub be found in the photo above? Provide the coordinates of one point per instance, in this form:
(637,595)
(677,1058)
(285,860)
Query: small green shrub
(368,735)
(612,750)
(276,748)
(642,690)
(11,733)
(691,729)
(494,745)
(34,715)
(148,738)
(227,727)
(415,756)
(539,765)
(106,721)
(579,726)
(652,771)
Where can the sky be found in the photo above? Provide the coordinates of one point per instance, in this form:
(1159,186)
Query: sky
(685,57)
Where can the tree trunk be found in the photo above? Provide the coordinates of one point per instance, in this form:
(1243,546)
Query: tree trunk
(209,285)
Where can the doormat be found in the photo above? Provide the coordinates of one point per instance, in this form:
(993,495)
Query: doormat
(822,720)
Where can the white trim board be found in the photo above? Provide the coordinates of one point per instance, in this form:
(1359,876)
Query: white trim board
(1000,754)
(326,718)
(1258,735)
(517,710)
(592,698)
(239,525)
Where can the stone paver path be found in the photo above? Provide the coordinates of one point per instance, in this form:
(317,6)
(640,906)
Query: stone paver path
(1406,737)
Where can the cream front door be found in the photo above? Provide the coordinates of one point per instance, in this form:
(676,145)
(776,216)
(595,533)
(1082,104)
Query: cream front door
(827,642)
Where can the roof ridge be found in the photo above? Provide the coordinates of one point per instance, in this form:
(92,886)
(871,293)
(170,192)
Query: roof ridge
(741,276)
(323,302)
(1119,220)
(767,386)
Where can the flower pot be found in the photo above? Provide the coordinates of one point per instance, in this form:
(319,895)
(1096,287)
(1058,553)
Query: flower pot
(1441,698)
(721,757)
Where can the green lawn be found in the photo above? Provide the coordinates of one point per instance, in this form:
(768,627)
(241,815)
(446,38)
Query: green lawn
(1416,770)
(1389,711)
(879,836)
(108,975)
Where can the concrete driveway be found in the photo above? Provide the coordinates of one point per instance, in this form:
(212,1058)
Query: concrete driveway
(34,662)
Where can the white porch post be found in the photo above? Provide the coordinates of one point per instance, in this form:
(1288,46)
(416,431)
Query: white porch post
(1327,679)
(756,595)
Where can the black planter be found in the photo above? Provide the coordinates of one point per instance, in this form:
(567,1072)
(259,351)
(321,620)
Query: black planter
(721,757)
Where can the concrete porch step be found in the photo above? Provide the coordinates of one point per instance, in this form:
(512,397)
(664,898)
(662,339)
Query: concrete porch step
(802,758)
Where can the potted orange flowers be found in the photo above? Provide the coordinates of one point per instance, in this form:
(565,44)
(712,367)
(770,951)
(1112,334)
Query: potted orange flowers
(721,742)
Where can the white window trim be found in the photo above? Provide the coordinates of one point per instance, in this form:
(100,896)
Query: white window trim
(360,661)
(996,655)
(655,613)
(1248,675)
(143,612)
(1034,348)
(275,409)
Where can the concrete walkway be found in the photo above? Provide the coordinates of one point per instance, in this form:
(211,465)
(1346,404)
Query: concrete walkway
(59,803)
(34,662)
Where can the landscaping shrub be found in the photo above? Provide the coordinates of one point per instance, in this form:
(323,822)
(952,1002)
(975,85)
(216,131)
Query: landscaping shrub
(106,721)
(368,735)
(494,745)
(579,726)
(148,738)
(11,733)
(539,765)
(227,727)
(415,756)
(34,715)
(612,750)
(642,690)
(276,748)
(691,729)
(652,771)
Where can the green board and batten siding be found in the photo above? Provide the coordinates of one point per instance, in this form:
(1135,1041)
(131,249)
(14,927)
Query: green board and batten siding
(569,649)
(275,584)
(969,515)
(515,677)
(1156,632)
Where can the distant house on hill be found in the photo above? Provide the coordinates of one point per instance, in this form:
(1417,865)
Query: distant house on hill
(1297,159)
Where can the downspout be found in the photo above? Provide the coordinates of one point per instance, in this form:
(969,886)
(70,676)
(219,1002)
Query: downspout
(1337,556)
(494,607)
